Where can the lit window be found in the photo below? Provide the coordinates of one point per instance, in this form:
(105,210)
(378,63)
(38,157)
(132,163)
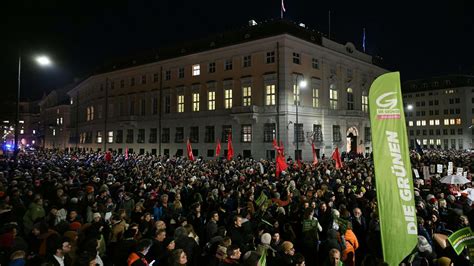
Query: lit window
(99,136)
(425,141)
(71,101)
(423,122)
(438,141)
(22,131)
(365,103)
(333,97)
(57,121)
(33,142)
(350,99)
(228,98)
(247,95)
(410,123)
(418,123)
(54,132)
(437,122)
(446,122)
(21,122)
(458,121)
(211,100)
(296,94)
(270,97)
(431,141)
(315,97)
(431,122)
(110,137)
(451,121)
(246,133)
(57,111)
(180,103)
(196,70)
(34,131)
(195,102)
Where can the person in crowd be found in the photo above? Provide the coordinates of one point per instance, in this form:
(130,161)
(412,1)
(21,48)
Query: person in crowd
(138,257)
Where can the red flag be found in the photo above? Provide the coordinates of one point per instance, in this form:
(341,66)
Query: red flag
(218,147)
(315,157)
(108,156)
(126,153)
(190,151)
(230,148)
(298,163)
(336,157)
(281,164)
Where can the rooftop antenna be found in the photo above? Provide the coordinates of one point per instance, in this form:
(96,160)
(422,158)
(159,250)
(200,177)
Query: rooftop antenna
(282,9)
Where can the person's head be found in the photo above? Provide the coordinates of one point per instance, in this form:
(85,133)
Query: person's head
(334,256)
(178,257)
(238,221)
(147,217)
(144,245)
(96,217)
(233,252)
(357,212)
(61,246)
(215,216)
(169,243)
(160,235)
(160,224)
(72,215)
(164,198)
(299,259)
(276,237)
(19,254)
(288,248)
(308,213)
(87,259)
(323,207)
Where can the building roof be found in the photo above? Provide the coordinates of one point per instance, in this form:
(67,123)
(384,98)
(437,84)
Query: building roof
(249,33)
(438,83)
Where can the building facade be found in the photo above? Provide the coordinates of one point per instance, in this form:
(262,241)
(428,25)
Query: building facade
(440,112)
(28,125)
(55,119)
(245,83)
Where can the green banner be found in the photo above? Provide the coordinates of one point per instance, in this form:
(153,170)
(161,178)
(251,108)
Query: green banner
(460,239)
(394,182)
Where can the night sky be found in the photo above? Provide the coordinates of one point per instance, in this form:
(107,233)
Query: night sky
(418,38)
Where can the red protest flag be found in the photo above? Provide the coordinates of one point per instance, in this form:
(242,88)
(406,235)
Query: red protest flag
(230,148)
(218,148)
(108,156)
(315,157)
(189,150)
(337,157)
(281,164)
(126,153)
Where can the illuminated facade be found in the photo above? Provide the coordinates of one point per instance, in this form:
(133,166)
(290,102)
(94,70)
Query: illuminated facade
(244,83)
(440,112)
(55,119)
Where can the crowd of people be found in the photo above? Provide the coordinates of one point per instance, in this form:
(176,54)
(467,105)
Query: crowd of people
(90,208)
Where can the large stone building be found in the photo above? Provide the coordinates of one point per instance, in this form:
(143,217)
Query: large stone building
(28,125)
(440,112)
(244,82)
(55,119)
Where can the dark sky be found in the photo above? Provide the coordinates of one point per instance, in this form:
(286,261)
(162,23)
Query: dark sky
(418,38)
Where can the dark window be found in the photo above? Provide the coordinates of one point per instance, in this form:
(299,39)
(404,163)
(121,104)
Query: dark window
(431,132)
(270,154)
(194,134)
(458,111)
(141,135)
(445,132)
(129,136)
(153,151)
(247,154)
(367,134)
(436,102)
(445,111)
(438,132)
(228,64)
(270,57)
(155,106)
(210,153)
(315,63)
(153,135)
(166,152)
(209,134)
(132,82)
(226,131)
(142,107)
(165,135)
(167,74)
(181,72)
(155,77)
(247,61)
(122,83)
(179,135)
(436,112)
(112,85)
(299,134)
(144,79)
(412,132)
(424,132)
(453,131)
(212,67)
(131,106)
(336,133)
(269,132)
(167,104)
(458,100)
(119,136)
(179,152)
(296,58)
(318,133)
(142,151)
(459,131)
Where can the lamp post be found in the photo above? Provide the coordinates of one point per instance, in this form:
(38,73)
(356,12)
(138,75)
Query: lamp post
(42,61)
(300,85)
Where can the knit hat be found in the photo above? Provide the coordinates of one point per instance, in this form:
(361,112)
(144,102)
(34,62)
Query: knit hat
(266,238)
(96,215)
(423,245)
(286,246)
(443,261)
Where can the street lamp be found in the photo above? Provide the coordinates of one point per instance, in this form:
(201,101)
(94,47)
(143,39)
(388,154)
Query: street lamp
(409,107)
(300,85)
(42,61)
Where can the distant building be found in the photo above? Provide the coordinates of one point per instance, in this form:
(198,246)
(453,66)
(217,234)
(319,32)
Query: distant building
(440,112)
(244,83)
(55,119)
(28,124)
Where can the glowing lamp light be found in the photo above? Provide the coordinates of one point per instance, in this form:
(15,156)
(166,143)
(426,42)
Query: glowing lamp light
(43,60)
(410,107)
(303,84)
